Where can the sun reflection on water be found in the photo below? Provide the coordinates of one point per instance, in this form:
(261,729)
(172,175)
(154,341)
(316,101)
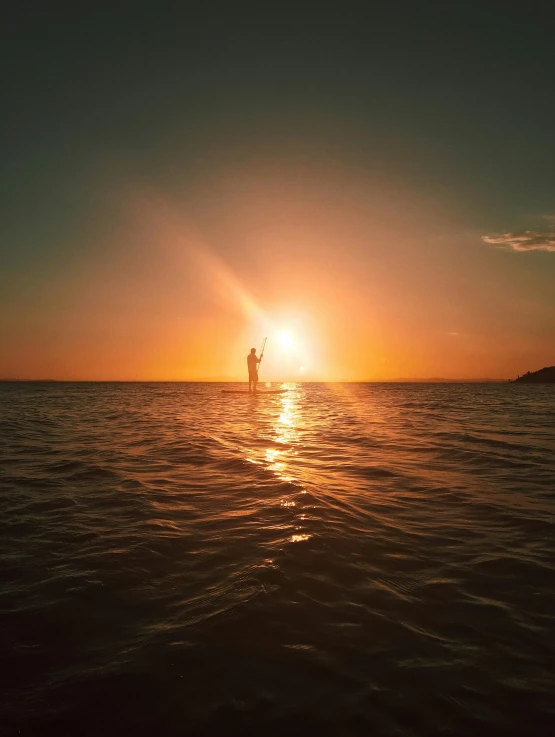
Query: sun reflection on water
(272,458)
(287,430)
(286,433)
(282,427)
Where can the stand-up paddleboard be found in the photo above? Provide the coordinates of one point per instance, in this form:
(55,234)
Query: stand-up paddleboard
(253,394)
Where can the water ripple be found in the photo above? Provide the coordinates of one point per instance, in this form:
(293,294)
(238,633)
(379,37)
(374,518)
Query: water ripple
(352,559)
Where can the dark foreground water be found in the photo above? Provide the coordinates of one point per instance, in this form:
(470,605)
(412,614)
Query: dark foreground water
(337,560)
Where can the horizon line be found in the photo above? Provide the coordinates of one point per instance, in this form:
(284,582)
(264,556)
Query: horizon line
(400,380)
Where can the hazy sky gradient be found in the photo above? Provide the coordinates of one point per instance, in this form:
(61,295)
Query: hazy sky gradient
(378,179)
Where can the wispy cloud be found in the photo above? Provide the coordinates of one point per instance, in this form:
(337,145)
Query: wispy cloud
(526,240)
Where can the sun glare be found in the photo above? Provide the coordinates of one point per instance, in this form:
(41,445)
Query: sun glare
(288,353)
(286,340)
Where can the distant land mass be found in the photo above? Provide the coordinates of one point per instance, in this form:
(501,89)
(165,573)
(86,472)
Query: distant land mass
(543,376)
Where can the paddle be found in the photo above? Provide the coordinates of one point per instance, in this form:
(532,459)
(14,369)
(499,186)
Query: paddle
(262,351)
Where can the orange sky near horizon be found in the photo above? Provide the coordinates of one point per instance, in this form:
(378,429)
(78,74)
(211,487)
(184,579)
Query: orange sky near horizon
(373,280)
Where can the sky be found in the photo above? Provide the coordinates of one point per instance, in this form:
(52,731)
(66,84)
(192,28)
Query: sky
(369,185)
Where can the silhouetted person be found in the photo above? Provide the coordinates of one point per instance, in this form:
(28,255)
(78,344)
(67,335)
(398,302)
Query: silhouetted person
(252,363)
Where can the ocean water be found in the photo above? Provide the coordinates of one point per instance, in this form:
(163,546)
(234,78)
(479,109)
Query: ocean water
(362,559)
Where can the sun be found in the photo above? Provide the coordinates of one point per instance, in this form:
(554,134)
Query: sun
(286,340)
